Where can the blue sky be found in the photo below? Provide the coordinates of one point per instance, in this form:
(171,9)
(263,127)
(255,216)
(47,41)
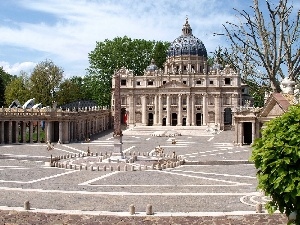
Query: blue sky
(65,31)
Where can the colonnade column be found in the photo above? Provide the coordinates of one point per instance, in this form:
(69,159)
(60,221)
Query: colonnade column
(204,104)
(179,123)
(131,111)
(156,106)
(9,132)
(188,110)
(60,132)
(144,110)
(253,131)
(217,110)
(160,109)
(168,110)
(193,109)
(48,131)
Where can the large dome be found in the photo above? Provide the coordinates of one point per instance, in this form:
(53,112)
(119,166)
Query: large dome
(187,44)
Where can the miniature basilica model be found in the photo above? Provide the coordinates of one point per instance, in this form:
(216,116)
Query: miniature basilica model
(186,93)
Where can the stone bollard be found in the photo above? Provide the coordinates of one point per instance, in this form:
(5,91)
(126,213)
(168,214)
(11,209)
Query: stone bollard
(131,209)
(26,205)
(70,166)
(118,168)
(125,168)
(104,168)
(85,168)
(258,208)
(149,210)
(92,168)
(80,167)
(96,153)
(111,168)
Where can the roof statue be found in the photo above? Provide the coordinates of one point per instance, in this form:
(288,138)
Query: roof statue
(287,86)
(29,104)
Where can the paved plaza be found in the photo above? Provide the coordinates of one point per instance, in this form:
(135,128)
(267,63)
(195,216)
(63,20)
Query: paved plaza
(216,180)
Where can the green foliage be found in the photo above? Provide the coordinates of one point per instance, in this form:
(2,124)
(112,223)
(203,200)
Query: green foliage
(70,90)
(5,79)
(17,89)
(44,80)
(111,55)
(277,157)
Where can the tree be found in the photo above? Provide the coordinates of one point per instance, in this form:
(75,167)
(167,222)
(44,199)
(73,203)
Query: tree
(5,78)
(17,89)
(44,81)
(110,55)
(277,157)
(71,90)
(266,45)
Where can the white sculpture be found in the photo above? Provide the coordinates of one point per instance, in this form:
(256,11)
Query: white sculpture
(287,86)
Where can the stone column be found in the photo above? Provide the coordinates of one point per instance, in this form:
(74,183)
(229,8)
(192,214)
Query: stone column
(155,111)
(31,132)
(60,132)
(179,123)
(217,110)
(10,132)
(131,110)
(193,109)
(241,133)
(160,109)
(48,131)
(205,113)
(144,110)
(188,110)
(253,132)
(168,110)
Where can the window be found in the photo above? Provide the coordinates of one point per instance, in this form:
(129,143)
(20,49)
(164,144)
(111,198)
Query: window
(184,101)
(184,109)
(123,82)
(211,82)
(123,101)
(150,82)
(138,101)
(164,109)
(138,83)
(227,81)
(164,82)
(193,67)
(184,67)
(198,82)
(184,81)
(174,100)
(198,100)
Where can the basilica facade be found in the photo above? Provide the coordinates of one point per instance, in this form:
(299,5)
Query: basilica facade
(187,92)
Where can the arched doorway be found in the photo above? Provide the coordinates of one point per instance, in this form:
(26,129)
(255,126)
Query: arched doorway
(183,121)
(174,119)
(123,116)
(227,118)
(164,122)
(247,133)
(150,119)
(198,119)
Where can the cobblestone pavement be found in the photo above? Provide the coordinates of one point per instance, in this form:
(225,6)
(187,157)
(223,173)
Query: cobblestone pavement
(217,178)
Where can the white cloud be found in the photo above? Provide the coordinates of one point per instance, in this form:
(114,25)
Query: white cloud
(16,68)
(79,24)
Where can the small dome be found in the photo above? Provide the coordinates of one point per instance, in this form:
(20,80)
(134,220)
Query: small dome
(152,66)
(187,43)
